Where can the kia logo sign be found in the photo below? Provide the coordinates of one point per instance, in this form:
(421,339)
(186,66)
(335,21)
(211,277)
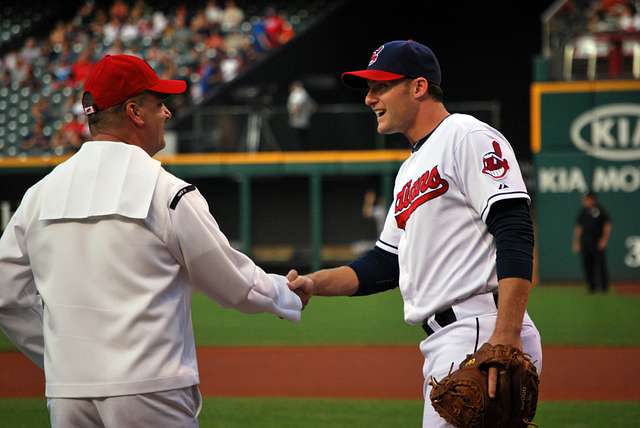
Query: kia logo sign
(610,132)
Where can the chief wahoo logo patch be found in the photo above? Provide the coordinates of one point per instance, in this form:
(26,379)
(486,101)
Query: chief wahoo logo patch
(493,164)
(374,55)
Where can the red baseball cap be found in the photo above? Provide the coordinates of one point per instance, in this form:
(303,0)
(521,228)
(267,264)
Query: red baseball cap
(115,78)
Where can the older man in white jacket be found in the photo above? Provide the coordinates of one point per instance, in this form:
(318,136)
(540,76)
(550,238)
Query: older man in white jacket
(98,264)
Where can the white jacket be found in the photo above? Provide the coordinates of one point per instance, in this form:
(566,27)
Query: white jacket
(96,269)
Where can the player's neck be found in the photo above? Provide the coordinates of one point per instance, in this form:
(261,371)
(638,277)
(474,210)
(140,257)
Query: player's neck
(427,119)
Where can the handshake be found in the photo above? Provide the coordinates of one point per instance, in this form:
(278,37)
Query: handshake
(302,285)
(339,281)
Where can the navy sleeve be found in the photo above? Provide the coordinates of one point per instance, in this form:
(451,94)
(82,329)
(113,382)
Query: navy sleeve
(510,224)
(377,271)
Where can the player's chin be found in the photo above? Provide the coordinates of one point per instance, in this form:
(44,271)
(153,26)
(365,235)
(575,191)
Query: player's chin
(384,129)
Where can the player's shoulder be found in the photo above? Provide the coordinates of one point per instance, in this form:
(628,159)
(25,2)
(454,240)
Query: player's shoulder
(466,124)
(472,133)
(171,189)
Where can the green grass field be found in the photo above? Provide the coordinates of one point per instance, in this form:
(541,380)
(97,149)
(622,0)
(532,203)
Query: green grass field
(564,315)
(321,413)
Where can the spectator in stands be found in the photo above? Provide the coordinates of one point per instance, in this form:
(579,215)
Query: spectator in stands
(259,36)
(30,80)
(31,51)
(278,30)
(116,48)
(40,111)
(210,74)
(215,40)
(85,14)
(98,29)
(57,35)
(36,139)
(73,133)
(119,11)
(214,13)
(111,31)
(230,64)
(5,77)
(129,31)
(199,24)
(237,40)
(629,19)
(181,35)
(300,107)
(159,23)
(233,16)
(81,68)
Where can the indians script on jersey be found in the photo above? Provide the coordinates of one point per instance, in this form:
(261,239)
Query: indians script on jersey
(415,193)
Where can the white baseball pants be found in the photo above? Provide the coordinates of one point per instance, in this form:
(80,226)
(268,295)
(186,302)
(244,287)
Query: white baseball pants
(451,344)
(170,409)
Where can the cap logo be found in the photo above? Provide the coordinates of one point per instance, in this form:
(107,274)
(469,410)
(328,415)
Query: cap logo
(374,56)
(493,164)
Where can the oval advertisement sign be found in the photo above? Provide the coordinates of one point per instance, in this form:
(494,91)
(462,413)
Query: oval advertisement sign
(610,132)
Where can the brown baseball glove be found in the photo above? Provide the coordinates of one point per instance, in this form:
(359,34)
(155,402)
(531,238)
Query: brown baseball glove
(462,397)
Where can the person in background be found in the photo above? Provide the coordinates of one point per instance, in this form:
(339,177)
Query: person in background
(590,238)
(300,107)
(375,208)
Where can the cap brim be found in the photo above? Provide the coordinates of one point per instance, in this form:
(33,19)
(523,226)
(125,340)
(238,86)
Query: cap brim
(169,87)
(358,79)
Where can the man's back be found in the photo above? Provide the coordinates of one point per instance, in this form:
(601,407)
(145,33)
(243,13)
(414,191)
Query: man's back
(116,301)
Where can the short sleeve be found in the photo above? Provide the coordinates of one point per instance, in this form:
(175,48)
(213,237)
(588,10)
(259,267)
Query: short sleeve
(487,171)
(390,237)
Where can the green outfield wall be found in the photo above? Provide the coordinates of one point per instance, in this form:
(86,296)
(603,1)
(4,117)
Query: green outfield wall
(586,136)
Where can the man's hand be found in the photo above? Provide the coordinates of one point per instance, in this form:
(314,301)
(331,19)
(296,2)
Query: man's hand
(602,245)
(492,375)
(302,285)
(575,247)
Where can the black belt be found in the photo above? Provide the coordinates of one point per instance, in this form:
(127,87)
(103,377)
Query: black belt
(446,317)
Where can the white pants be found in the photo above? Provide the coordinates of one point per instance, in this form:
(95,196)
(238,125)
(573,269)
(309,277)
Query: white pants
(451,344)
(177,408)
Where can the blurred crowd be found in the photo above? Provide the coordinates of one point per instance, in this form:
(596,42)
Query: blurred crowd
(205,46)
(614,15)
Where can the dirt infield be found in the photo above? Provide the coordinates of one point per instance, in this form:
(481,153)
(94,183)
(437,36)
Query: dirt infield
(364,372)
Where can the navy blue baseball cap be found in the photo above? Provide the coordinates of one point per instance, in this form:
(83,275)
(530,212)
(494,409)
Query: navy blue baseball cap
(397,60)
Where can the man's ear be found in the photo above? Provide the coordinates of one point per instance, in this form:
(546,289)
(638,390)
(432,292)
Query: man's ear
(421,87)
(134,113)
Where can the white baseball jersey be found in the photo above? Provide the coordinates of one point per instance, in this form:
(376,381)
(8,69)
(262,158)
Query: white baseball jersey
(436,225)
(98,263)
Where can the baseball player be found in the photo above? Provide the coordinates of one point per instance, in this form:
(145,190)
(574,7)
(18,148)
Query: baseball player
(98,263)
(458,238)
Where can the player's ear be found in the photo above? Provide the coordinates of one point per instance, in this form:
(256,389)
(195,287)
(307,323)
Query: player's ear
(420,87)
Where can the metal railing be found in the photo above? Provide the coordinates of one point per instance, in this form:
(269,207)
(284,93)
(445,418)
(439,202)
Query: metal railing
(333,127)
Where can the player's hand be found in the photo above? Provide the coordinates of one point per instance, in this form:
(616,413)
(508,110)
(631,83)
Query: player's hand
(492,378)
(602,245)
(576,247)
(302,285)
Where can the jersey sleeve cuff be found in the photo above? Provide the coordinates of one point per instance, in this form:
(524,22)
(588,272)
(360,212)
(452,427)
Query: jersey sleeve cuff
(501,197)
(387,247)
